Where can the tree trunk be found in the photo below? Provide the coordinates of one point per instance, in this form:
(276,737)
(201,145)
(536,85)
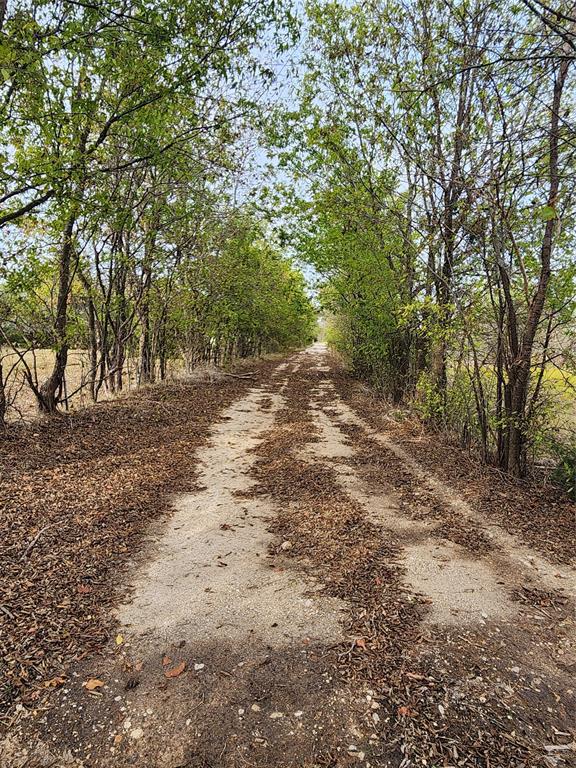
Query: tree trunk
(146,362)
(50,391)
(2,398)
(93,336)
(520,369)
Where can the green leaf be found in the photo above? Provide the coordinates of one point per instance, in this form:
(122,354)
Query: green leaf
(547,213)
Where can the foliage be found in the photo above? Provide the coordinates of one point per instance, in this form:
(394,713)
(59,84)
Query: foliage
(422,166)
(431,153)
(122,141)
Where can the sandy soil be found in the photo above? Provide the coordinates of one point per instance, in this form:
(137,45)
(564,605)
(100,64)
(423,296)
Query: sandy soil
(209,572)
(208,604)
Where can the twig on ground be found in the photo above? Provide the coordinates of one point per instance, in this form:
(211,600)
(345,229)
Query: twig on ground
(34,541)
(7,612)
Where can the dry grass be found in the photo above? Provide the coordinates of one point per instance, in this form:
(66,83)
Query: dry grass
(22,403)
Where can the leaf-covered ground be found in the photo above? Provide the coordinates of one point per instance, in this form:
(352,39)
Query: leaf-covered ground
(487,691)
(77,495)
(430,669)
(536,510)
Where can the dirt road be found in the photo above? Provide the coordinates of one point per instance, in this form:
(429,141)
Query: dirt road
(322,600)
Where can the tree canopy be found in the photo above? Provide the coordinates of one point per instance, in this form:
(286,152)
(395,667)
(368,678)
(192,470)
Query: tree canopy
(123,130)
(435,145)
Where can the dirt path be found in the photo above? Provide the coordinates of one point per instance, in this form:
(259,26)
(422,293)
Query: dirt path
(301,609)
(207,574)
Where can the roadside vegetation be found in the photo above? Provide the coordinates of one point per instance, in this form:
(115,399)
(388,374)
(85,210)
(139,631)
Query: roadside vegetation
(126,226)
(436,144)
(163,170)
(223,543)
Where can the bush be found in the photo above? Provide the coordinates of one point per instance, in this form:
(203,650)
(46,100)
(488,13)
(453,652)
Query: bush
(565,473)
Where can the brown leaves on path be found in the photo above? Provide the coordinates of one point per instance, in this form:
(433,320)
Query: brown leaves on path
(91,483)
(461,701)
(175,671)
(533,509)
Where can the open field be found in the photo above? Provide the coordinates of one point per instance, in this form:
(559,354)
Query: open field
(21,399)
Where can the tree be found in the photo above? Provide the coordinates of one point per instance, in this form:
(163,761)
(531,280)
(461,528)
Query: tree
(431,150)
(101,92)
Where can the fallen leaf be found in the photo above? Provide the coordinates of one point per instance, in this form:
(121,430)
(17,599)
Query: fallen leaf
(166,661)
(175,671)
(119,639)
(92,684)
(360,643)
(405,712)
(83,589)
(55,682)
